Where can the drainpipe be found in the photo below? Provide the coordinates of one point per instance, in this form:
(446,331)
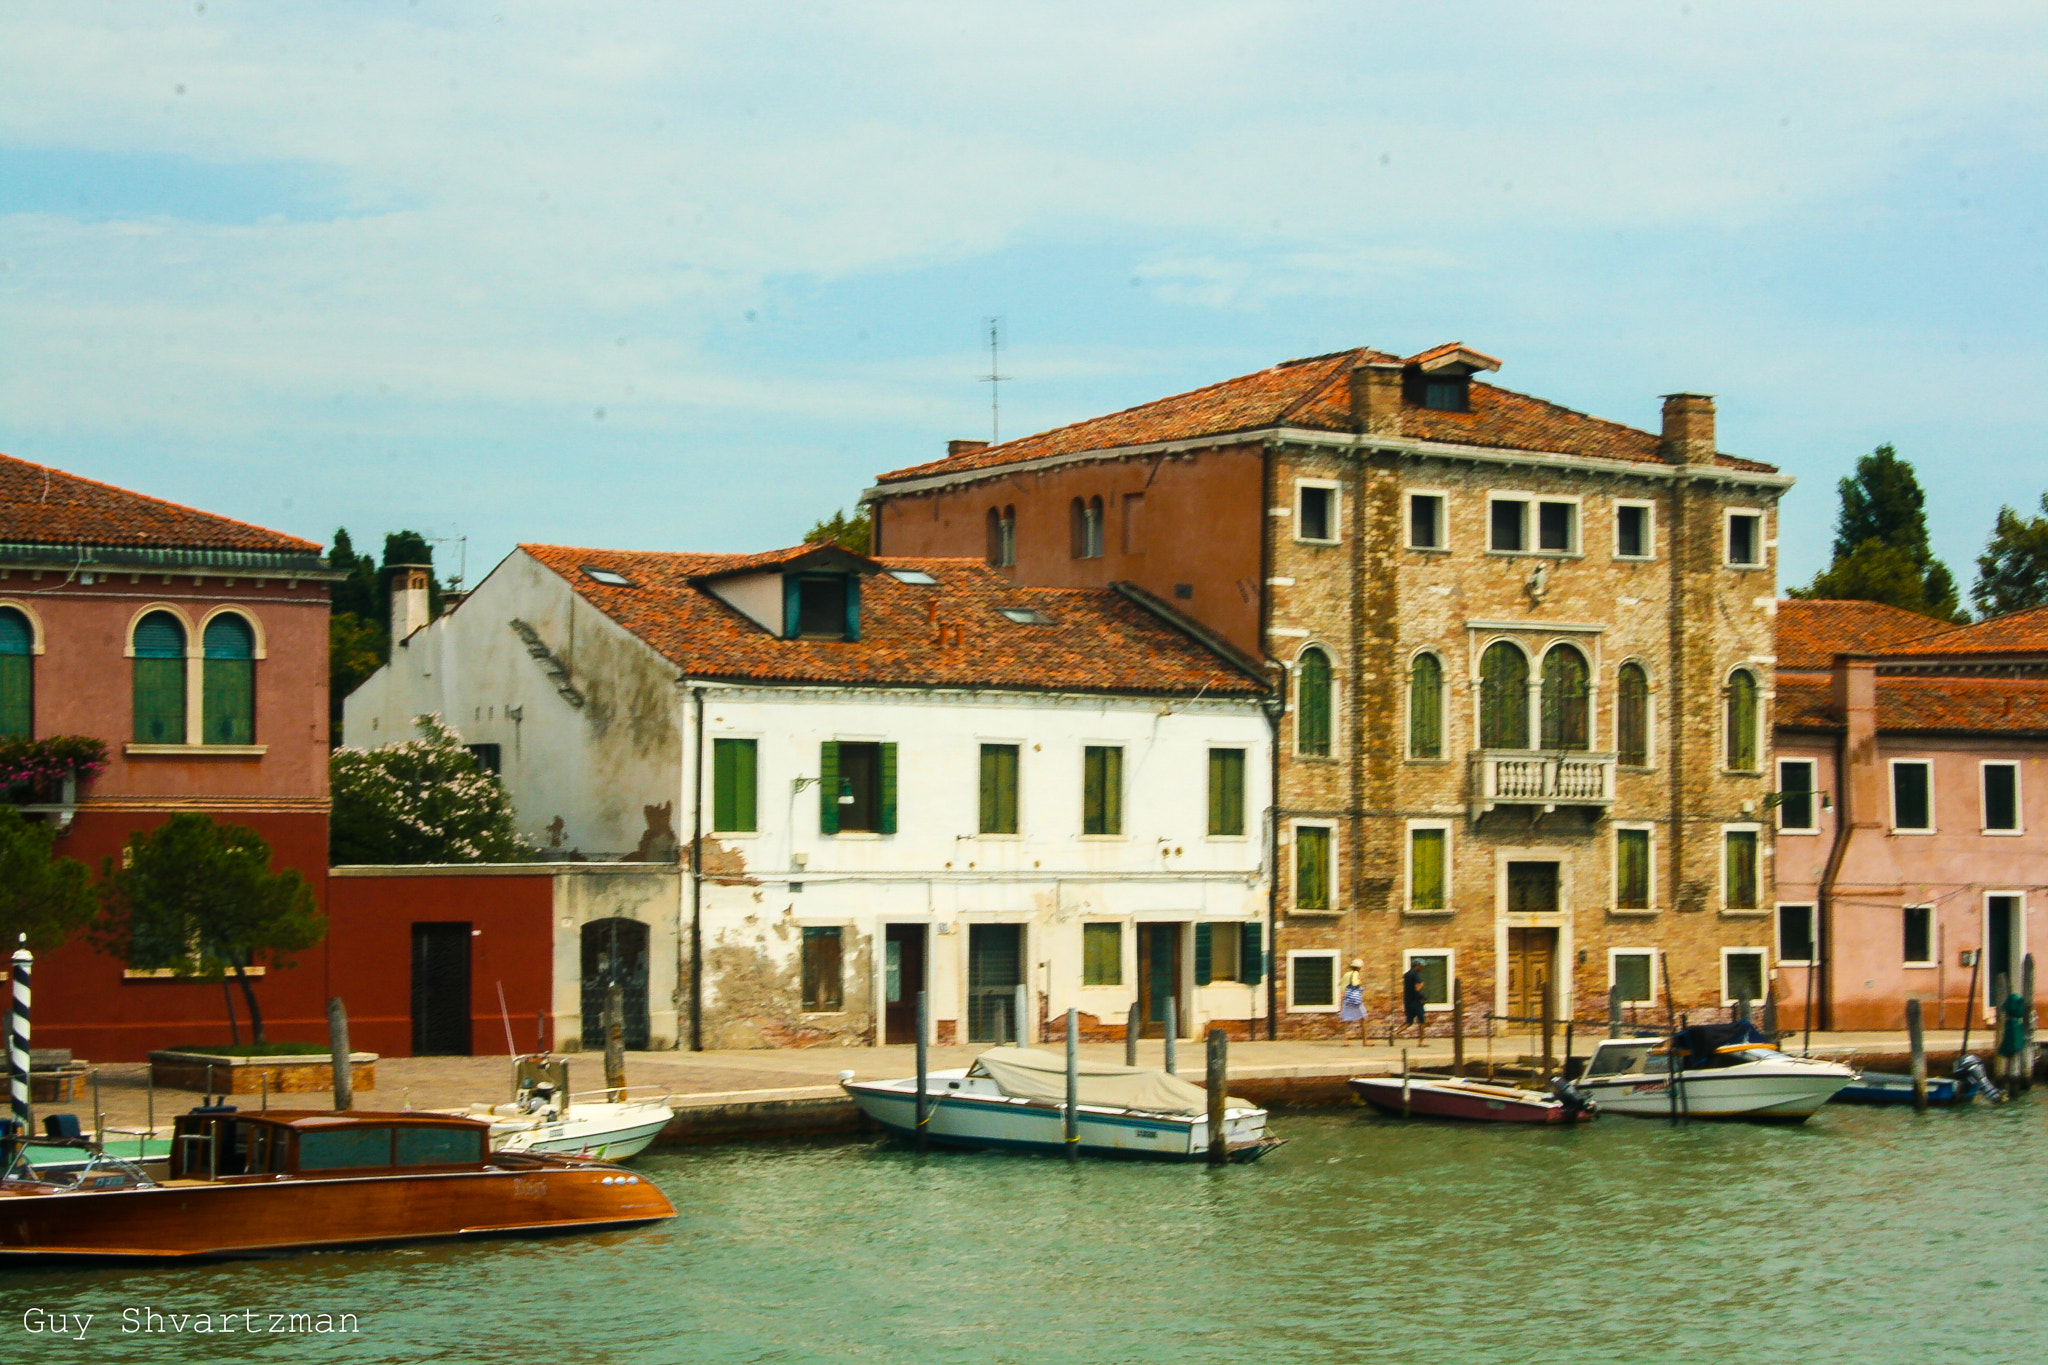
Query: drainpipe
(1822,986)
(697,873)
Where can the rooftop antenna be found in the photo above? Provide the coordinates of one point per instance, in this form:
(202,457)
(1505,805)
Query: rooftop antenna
(461,544)
(994,379)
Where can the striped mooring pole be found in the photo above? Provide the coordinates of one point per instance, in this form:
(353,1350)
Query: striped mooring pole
(17,1039)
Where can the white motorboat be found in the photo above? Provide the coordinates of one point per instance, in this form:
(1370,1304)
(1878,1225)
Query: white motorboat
(1015,1098)
(544,1117)
(1726,1071)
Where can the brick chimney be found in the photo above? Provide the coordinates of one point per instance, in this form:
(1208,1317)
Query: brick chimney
(955,449)
(1376,397)
(408,599)
(1688,428)
(1855,696)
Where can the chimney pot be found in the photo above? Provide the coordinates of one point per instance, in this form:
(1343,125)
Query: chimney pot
(1688,428)
(408,599)
(955,449)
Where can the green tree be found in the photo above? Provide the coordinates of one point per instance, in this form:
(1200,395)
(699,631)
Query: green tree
(420,800)
(359,636)
(1884,510)
(849,531)
(2012,573)
(200,898)
(45,897)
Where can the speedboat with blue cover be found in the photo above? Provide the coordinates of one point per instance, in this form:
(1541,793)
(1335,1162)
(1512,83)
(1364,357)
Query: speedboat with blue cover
(1724,1071)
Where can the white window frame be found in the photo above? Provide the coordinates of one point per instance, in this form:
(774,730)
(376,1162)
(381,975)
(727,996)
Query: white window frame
(1443,520)
(1649,510)
(1336,981)
(1450,956)
(1721,849)
(1763,543)
(1758,742)
(1812,766)
(1892,767)
(1521,500)
(1933,958)
(1336,905)
(1408,866)
(1778,932)
(1577,548)
(1763,973)
(1984,801)
(2020,949)
(1614,977)
(760,738)
(1336,492)
(1126,954)
(1614,868)
(1336,696)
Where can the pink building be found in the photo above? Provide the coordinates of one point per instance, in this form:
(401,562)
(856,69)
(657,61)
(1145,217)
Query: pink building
(1911,798)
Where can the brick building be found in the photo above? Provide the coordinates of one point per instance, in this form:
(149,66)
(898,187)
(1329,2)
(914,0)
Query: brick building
(1527,655)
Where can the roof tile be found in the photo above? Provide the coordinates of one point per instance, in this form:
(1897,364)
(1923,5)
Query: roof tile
(44,506)
(1811,632)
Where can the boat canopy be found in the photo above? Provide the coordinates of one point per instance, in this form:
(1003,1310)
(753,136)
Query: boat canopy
(1704,1043)
(1028,1074)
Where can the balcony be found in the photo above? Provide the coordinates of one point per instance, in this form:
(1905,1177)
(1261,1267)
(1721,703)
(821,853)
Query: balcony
(1528,777)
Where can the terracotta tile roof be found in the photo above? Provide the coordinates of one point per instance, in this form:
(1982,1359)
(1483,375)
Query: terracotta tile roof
(2002,706)
(2020,632)
(1315,393)
(44,506)
(948,634)
(1812,632)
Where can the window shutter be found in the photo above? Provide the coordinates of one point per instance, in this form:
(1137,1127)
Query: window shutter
(828,785)
(1204,955)
(1113,791)
(227,701)
(159,701)
(888,821)
(1251,953)
(17,696)
(853,606)
(792,607)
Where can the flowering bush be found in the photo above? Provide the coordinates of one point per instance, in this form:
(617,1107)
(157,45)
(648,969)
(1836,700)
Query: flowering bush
(420,801)
(41,765)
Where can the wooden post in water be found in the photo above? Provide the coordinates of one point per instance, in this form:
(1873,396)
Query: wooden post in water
(1133,1026)
(337,1054)
(2027,1022)
(1614,1010)
(1023,1008)
(924,1033)
(1771,1013)
(1741,1009)
(1172,1036)
(1975,956)
(1219,1086)
(1918,1041)
(2001,1068)
(1549,1028)
(1072,1124)
(615,1043)
(1457,1027)
(1404,1082)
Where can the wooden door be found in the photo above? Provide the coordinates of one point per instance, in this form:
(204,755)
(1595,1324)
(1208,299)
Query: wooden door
(1532,961)
(903,978)
(440,990)
(1159,979)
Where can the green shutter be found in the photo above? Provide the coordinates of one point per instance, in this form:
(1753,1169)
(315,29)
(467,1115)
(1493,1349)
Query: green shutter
(159,701)
(1251,953)
(998,789)
(1632,869)
(733,802)
(1312,703)
(1102,954)
(1102,790)
(1741,847)
(1226,791)
(227,701)
(1742,710)
(1204,955)
(792,607)
(1426,869)
(17,696)
(828,788)
(888,789)
(1312,868)
(1113,791)
(1425,708)
(853,606)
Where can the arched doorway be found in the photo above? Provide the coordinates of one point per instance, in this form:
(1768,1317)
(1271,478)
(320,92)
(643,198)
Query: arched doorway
(615,954)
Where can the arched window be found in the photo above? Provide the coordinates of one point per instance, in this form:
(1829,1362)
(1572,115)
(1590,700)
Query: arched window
(1425,707)
(1503,697)
(17,675)
(995,536)
(1312,703)
(1566,688)
(1632,717)
(228,690)
(159,679)
(1742,712)
(1091,530)
(1006,537)
(1077,529)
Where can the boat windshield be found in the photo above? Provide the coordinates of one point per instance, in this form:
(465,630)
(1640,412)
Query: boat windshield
(1627,1059)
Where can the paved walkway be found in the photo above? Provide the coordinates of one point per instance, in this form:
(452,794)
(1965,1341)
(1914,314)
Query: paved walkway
(702,1079)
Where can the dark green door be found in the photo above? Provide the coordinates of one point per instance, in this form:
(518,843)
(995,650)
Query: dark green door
(995,968)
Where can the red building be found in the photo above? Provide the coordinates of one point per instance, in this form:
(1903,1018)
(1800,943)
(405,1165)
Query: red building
(195,647)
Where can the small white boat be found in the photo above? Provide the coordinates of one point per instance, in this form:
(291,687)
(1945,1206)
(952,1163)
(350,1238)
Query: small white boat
(544,1117)
(1726,1071)
(1014,1098)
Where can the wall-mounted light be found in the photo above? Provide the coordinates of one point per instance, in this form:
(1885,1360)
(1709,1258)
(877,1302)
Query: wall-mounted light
(845,791)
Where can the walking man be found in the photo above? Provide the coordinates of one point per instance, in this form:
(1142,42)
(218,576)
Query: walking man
(1412,998)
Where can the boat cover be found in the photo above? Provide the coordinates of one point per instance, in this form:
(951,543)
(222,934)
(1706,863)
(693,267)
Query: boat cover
(1028,1074)
(1703,1042)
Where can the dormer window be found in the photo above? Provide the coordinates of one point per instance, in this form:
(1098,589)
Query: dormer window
(822,606)
(1446,393)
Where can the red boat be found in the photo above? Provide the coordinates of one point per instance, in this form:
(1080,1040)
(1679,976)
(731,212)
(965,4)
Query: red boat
(248,1184)
(1452,1097)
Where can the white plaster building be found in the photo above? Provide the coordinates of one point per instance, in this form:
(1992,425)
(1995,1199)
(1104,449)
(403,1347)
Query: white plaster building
(878,776)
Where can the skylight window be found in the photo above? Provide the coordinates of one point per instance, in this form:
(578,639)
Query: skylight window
(611,578)
(1024,616)
(916,576)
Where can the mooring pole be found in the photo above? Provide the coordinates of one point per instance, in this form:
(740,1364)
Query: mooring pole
(614,1043)
(924,1032)
(1549,1029)
(2027,1021)
(1771,1013)
(1072,1123)
(1918,1041)
(1219,1088)
(1023,1007)
(17,1043)
(1172,1035)
(2001,1027)
(1614,1010)
(1457,1027)
(1741,1009)
(1976,956)
(337,1055)
(1133,1026)
(1404,1082)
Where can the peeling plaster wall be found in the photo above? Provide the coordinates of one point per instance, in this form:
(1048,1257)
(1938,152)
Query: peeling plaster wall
(653,897)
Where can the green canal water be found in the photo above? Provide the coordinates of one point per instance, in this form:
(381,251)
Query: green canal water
(1871,1236)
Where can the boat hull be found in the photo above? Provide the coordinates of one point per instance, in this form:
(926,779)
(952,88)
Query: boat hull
(1875,1087)
(1011,1124)
(1791,1097)
(1482,1103)
(598,1136)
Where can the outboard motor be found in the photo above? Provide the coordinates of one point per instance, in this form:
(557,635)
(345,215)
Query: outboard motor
(1971,1077)
(1574,1100)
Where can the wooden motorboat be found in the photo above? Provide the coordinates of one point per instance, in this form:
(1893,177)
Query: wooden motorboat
(1725,1071)
(1454,1097)
(1014,1099)
(249,1184)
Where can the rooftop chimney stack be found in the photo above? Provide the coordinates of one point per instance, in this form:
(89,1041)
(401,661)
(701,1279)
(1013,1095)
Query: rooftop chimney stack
(408,599)
(1376,397)
(1688,428)
(955,449)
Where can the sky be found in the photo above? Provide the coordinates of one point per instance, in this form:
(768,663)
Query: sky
(687,276)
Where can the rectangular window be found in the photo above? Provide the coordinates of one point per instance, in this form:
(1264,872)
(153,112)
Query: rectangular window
(1631,869)
(733,799)
(1429,869)
(1635,971)
(1742,975)
(424,1146)
(344,1149)
(1918,938)
(1311,867)
(1507,520)
(1745,539)
(1218,950)
(1134,523)
(1435,966)
(1798,810)
(998,789)
(1102,955)
(1102,790)
(1312,981)
(1632,530)
(1226,792)
(1795,933)
(856,788)
(822,607)
(1557,526)
(1741,875)
(1426,521)
(1912,796)
(2001,798)
(1316,518)
(821,970)
(490,758)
